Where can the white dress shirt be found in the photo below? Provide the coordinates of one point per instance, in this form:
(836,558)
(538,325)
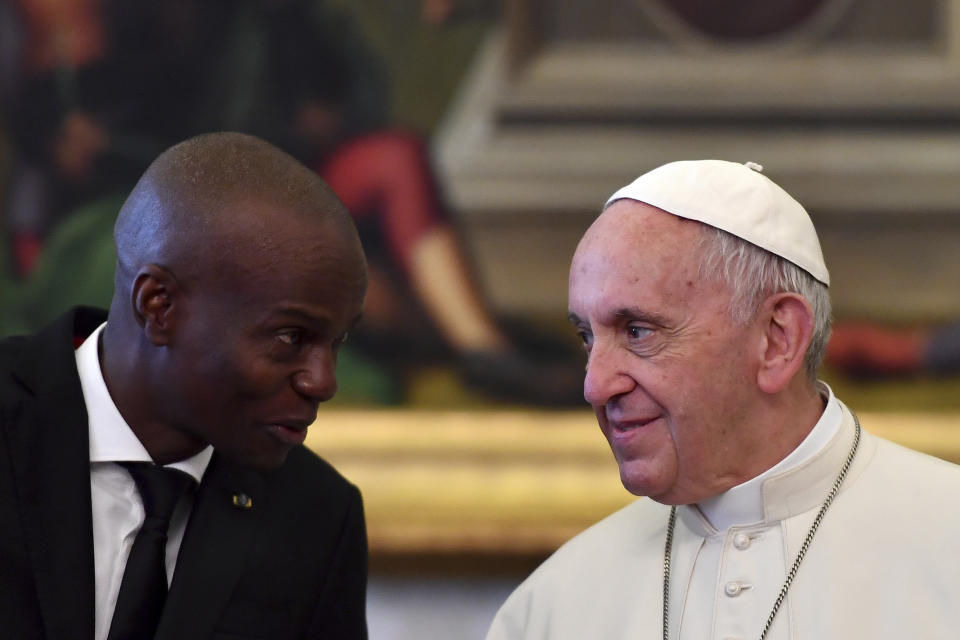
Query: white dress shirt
(117,508)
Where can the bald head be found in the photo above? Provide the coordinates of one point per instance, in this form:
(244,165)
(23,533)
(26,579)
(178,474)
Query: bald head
(193,203)
(236,264)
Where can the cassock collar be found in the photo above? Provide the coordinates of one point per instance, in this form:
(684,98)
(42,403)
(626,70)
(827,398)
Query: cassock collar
(111,439)
(756,500)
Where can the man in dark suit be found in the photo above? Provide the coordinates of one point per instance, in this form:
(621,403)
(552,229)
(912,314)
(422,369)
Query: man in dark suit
(239,274)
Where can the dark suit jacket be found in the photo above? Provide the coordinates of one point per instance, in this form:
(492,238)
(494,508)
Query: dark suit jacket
(291,566)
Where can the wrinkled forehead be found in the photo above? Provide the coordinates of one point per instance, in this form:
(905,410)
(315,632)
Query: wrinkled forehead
(628,226)
(639,257)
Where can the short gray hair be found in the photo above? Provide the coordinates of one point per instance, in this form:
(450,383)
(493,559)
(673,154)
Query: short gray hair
(752,274)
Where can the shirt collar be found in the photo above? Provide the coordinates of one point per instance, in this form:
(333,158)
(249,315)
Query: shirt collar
(111,439)
(743,504)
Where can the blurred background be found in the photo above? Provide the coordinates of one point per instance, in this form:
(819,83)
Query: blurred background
(474,141)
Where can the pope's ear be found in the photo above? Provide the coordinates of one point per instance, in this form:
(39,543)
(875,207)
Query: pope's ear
(787,330)
(154,298)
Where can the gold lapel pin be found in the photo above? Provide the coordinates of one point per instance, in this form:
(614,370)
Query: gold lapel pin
(242,500)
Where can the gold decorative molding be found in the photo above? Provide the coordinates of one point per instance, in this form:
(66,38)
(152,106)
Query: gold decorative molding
(509,482)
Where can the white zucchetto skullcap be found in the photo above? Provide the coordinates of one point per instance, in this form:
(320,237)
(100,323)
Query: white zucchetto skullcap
(738,199)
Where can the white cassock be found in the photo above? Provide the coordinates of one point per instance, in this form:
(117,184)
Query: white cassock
(884,564)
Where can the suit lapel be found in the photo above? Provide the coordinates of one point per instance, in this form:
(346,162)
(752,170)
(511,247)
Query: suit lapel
(212,555)
(51,460)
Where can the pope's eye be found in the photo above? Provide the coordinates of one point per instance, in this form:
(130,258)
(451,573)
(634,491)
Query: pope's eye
(638,333)
(585,337)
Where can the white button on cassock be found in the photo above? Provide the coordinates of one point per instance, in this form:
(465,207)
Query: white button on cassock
(741,541)
(733,589)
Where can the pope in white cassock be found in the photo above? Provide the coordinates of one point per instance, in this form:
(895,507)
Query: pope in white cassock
(700,294)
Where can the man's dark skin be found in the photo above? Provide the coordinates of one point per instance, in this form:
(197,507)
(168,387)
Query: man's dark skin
(232,297)
(239,275)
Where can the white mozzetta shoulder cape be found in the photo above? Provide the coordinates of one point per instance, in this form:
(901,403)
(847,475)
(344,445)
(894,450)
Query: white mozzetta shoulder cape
(885,563)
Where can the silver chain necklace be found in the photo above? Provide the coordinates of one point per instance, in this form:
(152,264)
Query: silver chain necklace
(671,523)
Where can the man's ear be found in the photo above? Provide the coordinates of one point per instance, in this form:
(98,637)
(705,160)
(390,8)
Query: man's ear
(787,330)
(155,297)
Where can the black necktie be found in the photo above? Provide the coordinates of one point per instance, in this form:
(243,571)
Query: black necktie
(144,587)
